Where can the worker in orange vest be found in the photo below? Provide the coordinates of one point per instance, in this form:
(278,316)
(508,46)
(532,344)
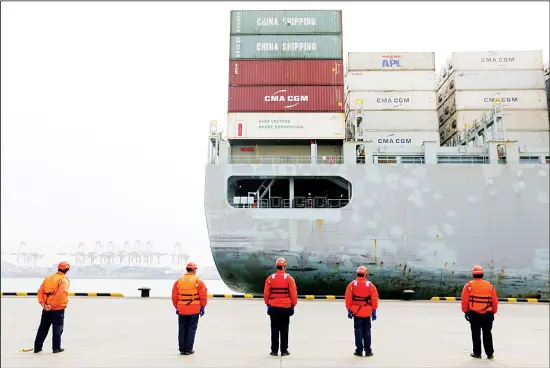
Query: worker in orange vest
(480,304)
(53,296)
(280,296)
(189,297)
(362,303)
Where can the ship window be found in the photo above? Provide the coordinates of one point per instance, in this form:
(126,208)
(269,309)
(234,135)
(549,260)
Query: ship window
(274,192)
(548,159)
(529,160)
(386,159)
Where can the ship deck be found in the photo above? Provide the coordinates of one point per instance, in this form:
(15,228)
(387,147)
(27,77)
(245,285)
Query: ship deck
(136,332)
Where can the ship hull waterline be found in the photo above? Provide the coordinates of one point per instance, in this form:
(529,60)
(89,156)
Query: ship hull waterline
(419,227)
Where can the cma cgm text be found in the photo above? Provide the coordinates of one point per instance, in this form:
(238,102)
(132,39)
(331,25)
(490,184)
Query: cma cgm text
(277,98)
(286,46)
(394,141)
(274,22)
(497,60)
(503,99)
(386,100)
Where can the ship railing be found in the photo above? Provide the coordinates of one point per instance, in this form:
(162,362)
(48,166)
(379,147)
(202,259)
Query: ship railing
(288,160)
(297,202)
(393,159)
(462,159)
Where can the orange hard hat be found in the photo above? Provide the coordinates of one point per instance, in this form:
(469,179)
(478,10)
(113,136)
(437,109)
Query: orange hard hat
(281,262)
(191,265)
(363,270)
(477,270)
(63,265)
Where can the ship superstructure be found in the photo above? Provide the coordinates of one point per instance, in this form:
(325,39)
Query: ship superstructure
(417,214)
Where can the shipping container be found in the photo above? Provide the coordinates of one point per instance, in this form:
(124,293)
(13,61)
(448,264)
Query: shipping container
(286,98)
(398,100)
(286,72)
(388,61)
(400,120)
(401,138)
(295,150)
(390,81)
(445,111)
(532,120)
(495,60)
(260,22)
(495,79)
(529,139)
(286,125)
(511,100)
(286,47)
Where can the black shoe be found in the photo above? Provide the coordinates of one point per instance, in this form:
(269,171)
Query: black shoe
(37,351)
(273,353)
(358,353)
(368,353)
(475,356)
(182,352)
(285,353)
(60,350)
(490,356)
(189,352)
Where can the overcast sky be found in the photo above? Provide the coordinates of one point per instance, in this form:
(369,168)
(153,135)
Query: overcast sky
(105,106)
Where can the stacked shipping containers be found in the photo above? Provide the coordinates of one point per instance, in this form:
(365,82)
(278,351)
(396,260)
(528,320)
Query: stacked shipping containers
(469,82)
(285,76)
(547,81)
(393,97)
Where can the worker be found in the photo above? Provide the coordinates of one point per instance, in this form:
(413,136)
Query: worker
(480,304)
(189,297)
(280,297)
(362,303)
(53,296)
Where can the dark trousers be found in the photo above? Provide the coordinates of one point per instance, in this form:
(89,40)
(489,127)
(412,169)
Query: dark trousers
(187,329)
(361,327)
(54,318)
(482,322)
(280,321)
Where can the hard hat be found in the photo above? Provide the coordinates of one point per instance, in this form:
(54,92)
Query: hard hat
(363,270)
(63,265)
(192,266)
(281,262)
(477,270)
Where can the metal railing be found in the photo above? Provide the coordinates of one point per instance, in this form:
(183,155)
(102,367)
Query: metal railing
(298,202)
(462,159)
(322,160)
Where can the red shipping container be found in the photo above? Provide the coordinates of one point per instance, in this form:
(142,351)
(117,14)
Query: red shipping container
(286,98)
(286,72)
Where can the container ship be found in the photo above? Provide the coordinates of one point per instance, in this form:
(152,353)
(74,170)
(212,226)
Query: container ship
(379,162)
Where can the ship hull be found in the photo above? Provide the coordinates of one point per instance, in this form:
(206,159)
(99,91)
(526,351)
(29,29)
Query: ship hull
(419,227)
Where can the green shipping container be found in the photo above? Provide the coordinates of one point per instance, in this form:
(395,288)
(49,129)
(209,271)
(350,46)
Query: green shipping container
(258,22)
(286,47)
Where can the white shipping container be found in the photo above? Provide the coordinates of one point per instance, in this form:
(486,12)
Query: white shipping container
(528,139)
(511,99)
(400,138)
(496,60)
(391,81)
(445,111)
(496,79)
(400,120)
(391,61)
(285,125)
(532,120)
(398,100)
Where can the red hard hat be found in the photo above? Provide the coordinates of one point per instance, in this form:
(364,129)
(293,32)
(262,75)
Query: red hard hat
(63,265)
(192,265)
(477,270)
(281,262)
(363,270)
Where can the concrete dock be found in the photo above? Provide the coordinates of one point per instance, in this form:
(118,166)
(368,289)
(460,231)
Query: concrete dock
(134,332)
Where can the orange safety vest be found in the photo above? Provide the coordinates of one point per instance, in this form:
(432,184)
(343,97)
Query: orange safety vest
(361,298)
(279,289)
(480,299)
(188,291)
(51,287)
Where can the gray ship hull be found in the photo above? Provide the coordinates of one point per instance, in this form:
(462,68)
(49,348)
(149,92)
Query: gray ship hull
(419,227)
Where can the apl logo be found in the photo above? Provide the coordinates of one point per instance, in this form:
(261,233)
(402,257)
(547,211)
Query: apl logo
(292,100)
(391,61)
